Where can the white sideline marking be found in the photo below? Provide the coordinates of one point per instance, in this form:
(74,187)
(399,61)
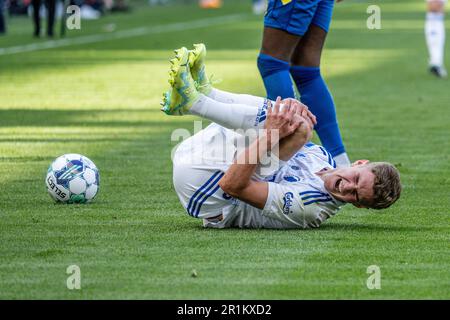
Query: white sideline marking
(123,34)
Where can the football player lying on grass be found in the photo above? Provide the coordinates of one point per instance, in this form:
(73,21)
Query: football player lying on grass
(228,186)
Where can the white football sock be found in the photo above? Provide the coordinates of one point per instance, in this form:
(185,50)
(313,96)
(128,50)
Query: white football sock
(342,160)
(230,115)
(228,97)
(435,36)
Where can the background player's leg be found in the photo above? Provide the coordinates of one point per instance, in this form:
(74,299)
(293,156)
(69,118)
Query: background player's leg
(274,61)
(36,19)
(51,8)
(2,19)
(435,35)
(305,71)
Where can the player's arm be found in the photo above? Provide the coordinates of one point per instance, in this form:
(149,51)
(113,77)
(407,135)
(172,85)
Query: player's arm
(290,145)
(237,181)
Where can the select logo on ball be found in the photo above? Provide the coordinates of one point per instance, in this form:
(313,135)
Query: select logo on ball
(58,192)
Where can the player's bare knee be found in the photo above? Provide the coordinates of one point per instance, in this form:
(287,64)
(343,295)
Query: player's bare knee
(307,54)
(309,50)
(278,44)
(277,52)
(306,60)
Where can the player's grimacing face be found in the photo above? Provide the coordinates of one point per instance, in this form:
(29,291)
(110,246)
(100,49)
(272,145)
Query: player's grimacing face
(351,184)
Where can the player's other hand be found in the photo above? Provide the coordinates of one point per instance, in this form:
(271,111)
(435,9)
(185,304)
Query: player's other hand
(301,109)
(305,129)
(282,119)
(305,119)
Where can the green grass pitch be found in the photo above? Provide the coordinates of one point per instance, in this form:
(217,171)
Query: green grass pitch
(101,99)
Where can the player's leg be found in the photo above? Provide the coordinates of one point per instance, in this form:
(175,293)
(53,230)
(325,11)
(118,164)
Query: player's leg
(285,23)
(184,98)
(435,36)
(36,19)
(305,71)
(51,8)
(278,44)
(2,19)
(235,98)
(273,62)
(230,115)
(197,57)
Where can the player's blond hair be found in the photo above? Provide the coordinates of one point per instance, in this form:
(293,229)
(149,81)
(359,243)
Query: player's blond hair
(387,186)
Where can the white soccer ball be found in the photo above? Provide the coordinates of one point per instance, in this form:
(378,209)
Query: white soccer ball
(72,178)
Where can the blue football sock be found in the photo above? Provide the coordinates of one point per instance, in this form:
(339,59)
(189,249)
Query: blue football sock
(315,94)
(276,77)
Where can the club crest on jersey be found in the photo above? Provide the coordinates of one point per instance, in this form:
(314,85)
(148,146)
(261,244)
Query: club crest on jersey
(287,202)
(71,170)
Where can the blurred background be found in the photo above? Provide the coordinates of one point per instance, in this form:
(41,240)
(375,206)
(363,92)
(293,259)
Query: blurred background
(96,91)
(54,12)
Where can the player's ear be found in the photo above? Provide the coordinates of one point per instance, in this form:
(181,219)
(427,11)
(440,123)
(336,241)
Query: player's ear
(360,162)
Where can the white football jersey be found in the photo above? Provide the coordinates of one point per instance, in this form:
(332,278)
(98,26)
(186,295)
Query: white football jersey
(297,197)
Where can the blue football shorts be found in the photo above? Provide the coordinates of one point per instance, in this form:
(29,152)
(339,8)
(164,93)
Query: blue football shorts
(295,16)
